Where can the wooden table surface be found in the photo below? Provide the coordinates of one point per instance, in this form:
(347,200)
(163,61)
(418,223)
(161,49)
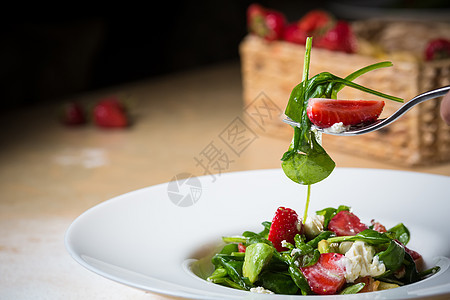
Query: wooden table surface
(50,173)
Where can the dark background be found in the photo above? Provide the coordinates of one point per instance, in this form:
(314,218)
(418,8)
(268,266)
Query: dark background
(50,58)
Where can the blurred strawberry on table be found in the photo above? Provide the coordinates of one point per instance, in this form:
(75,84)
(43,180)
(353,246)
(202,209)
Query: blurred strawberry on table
(72,114)
(110,113)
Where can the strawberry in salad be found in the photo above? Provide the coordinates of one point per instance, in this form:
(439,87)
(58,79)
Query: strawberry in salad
(345,257)
(285,225)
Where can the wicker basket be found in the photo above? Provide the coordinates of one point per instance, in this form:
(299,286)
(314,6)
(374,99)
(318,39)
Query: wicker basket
(418,138)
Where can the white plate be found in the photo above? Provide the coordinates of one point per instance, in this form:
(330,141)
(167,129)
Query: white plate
(144,240)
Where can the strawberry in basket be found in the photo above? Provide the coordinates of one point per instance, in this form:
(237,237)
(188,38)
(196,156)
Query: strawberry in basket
(265,23)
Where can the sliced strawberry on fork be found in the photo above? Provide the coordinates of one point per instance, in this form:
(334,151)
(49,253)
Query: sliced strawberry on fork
(285,225)
(346,223)
(327,276)
(325,112)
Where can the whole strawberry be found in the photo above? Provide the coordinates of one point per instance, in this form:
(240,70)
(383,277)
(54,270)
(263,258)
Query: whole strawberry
(437,49)
(316,22)
(338,38)
(110,113)
(293,34)
(73,114)
(265,23)
(285,225)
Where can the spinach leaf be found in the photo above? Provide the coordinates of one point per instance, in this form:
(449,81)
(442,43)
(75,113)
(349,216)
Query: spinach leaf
(233,268)
(257,256)
(297,276)
(308,167)
(306,162)
(330,212)
(369,236)
(353,289)
(229,248)
(401,233)
(393,256)
(278,282)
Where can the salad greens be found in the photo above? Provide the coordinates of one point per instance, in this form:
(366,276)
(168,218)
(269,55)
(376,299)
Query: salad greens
(318,261)
(282,272)
(306,162)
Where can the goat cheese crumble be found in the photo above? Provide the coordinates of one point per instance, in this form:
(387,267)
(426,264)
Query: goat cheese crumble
(337,128)
(313,226)
(261,290)
(360,261)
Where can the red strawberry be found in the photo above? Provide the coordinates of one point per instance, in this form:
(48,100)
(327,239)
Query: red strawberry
(437,49)
(110,113)
(285,225)
(292,33)
(338,38)
(266,23)
(316,22)
(346,223)
(327,276)
(325,112)
(377,226)
(73,114)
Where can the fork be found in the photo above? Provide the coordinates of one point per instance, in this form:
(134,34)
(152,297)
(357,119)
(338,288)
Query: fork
(380,123)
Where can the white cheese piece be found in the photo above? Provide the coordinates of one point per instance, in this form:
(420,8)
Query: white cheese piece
(337,128)
(313,226)
(261,290)
(344,247)
(360,262)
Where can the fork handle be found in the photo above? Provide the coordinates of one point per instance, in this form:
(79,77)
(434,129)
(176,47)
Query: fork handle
(418,99)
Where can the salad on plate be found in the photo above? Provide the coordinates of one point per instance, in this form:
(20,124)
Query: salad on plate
(332,251)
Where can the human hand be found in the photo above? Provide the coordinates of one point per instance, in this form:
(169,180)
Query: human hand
(445,108)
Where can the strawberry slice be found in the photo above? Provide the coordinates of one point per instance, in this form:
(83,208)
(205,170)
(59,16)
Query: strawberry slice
(325,112)
(346,223)
(110,113)
(327,276)
(285,225)
(377,226)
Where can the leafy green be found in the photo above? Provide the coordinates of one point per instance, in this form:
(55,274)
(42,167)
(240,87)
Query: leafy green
(401,233)
(278,282)
(257,256)
(330,212)
(306,162)
(353,289)
(368,236)
(393,256)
